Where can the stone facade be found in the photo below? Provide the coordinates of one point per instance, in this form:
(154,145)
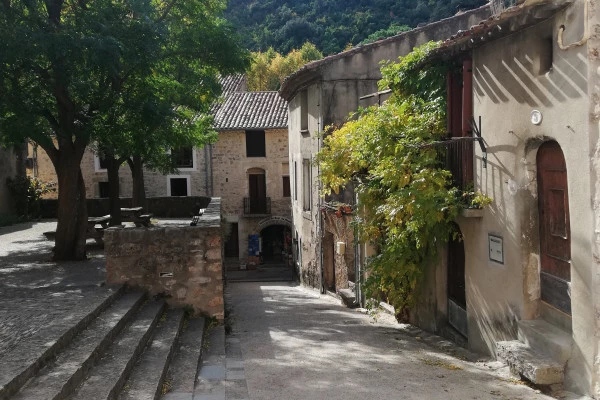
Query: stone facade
(231,170)
(182,262)
(220,169)
(325,92)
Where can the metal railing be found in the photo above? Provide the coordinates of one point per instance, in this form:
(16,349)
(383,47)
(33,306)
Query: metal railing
(257,205)
(456,155)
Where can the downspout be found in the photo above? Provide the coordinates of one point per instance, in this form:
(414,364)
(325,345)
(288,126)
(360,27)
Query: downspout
(320,219)
(206,172)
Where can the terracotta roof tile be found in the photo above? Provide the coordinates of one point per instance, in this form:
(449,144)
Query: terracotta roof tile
(251,110)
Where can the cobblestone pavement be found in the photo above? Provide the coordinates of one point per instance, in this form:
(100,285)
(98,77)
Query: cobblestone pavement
(298,344)
(38,295)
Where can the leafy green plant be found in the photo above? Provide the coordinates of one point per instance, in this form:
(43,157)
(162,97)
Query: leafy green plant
(27,194)
(407,199)
(475,199)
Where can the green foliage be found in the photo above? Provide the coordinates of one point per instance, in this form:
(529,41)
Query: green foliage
(392,30)
(332,24)
(268,69)
(27,194)
(407,201)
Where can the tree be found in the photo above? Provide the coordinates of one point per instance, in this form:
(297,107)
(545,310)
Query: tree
(269,68)
(68,70)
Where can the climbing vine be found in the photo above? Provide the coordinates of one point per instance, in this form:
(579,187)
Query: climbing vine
(406,198)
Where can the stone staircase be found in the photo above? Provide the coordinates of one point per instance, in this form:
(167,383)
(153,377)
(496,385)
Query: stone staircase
(540,354)
(129,348)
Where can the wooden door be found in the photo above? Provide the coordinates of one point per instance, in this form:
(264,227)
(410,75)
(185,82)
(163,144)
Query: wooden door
(457,299)
(257,193)
(232,245)
(555,232)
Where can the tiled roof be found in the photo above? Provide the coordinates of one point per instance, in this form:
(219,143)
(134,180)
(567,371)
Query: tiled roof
(251,110)
(521,16)
(233,83)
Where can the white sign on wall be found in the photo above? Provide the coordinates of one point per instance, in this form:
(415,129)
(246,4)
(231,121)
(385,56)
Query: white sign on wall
(496,248)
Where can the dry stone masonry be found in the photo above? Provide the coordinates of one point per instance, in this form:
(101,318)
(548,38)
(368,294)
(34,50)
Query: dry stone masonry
(182,262)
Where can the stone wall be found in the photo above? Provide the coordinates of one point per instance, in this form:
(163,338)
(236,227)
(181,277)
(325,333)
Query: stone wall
(182,262)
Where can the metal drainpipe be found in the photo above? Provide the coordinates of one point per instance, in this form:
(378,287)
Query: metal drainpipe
(320,219)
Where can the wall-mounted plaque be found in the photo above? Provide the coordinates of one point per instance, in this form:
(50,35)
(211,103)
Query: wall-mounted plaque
(496,248)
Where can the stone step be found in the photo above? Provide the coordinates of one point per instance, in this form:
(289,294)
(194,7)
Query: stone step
(348,297)
(526,362)
(106,379)
(147,377)
(546,338)
(61,377)
(182,372)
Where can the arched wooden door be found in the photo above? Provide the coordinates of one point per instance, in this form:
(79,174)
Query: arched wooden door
(555,232)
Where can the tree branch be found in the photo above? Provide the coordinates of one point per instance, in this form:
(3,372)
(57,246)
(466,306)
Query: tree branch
(166,11)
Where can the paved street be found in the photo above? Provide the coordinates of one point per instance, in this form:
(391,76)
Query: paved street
(298,344)
(37,295)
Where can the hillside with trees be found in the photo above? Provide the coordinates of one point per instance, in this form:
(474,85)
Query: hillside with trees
(332,25)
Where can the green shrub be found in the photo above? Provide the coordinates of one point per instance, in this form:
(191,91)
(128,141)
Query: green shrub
(27,194)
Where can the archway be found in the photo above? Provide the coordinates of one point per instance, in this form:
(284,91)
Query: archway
(276,244)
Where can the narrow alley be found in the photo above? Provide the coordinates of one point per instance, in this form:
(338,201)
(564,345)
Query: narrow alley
(298,344)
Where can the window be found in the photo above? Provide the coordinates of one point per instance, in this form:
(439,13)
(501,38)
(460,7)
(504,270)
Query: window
(546,54)
(178,185)
(295,181)
(103,189)
(286,186)
(304,111)
(306,184)
(183,157)
(255,144)
(100,163)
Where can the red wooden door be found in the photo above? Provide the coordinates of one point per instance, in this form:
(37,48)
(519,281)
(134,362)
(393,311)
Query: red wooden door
(555,232)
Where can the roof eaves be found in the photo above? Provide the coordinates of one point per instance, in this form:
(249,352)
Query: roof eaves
(513,19)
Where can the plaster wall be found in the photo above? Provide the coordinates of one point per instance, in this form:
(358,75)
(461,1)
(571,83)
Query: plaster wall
(334,92)
(305,146)
(508,85)
(593,76)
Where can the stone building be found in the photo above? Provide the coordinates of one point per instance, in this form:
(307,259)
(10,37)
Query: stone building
(323,93)
(523,284)
(247,168)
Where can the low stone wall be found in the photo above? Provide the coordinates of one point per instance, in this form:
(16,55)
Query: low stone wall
(180,261)
(160,207)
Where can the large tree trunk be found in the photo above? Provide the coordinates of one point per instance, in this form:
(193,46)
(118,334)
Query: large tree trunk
(114,202)
(72,210)
(138,195)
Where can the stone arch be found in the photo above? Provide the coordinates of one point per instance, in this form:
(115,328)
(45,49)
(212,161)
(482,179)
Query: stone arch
(275,220)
